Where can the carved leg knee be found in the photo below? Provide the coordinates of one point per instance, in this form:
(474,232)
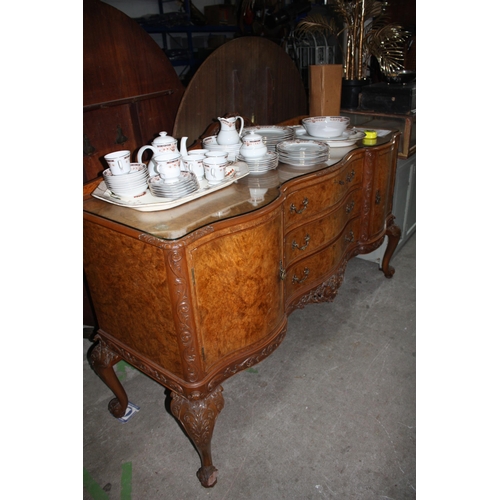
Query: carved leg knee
(393,234)
(198,417)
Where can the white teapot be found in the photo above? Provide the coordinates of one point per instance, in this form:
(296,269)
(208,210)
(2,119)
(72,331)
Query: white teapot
(252,146)
(162,144)
(228,133)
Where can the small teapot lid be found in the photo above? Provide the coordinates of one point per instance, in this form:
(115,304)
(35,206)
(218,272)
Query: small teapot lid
(163,139)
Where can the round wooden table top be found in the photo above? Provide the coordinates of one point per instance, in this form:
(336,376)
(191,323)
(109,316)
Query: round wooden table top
(249,76)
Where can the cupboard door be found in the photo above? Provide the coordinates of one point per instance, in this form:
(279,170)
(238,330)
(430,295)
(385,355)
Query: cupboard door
(237,289)
(127,280)
(384,169)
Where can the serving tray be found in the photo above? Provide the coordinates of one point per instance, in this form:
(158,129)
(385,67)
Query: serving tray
(149,203)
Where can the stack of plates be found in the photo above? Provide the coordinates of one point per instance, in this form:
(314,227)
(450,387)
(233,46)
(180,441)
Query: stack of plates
(211,144)
(184,185)
(267,162)
(271,135)
(347,138)
(303,153)
(129,185)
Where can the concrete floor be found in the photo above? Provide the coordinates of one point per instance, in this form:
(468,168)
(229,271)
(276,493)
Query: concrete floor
(330,414)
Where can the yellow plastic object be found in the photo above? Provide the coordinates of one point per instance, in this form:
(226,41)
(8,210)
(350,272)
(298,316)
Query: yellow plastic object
(370,138)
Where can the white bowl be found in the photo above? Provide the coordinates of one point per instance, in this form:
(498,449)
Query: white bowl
(326,126)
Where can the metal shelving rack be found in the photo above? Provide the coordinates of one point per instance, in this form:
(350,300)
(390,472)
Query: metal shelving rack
(188,30)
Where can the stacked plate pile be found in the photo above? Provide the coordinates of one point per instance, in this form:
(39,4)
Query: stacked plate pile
(128,185)
(267,162)
(347,138)
(303,153)
(184,185)
(271,135)
(211,144)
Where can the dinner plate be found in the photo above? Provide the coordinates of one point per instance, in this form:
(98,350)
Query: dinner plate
(348,138)
(301,147)
(271,135)
(268,162)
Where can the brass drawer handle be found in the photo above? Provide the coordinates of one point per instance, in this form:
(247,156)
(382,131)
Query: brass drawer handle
(349,207)
(349,237)
(296,245)
(349,177)
(297,280)
(293,208)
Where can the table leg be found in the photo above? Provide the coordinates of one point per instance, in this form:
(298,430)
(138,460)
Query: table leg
(102,360)
(393,233)
(198,417)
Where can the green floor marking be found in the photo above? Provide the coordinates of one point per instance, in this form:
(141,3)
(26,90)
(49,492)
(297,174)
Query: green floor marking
(92,487)
(126,493)
(97,493)
(120,369)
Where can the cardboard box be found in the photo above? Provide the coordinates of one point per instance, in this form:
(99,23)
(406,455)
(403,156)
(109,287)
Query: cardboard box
(220,15)
(325,89)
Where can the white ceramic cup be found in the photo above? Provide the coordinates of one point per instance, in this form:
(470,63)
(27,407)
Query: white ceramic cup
(169,165)
(217,154)
(118,162)
(198,151)
(214,172)
(194,163)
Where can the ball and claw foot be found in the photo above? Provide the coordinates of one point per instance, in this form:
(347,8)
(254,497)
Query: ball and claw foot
(207,476)
(116,409)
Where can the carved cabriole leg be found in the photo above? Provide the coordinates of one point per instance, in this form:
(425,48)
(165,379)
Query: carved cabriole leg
(393,234)
(198,417)
(102,360)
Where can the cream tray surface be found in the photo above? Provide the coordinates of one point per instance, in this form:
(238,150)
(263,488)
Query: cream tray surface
(147,202)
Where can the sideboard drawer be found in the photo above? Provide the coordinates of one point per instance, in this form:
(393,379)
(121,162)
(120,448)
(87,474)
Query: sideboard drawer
(307,238)
(326,192)
(309,270)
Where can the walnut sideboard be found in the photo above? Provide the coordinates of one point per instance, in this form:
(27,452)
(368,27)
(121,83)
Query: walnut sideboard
(193,295)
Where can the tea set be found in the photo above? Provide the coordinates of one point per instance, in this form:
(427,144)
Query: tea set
(172,173)
(176,172)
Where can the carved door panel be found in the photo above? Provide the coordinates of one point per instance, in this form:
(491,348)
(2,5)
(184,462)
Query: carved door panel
(128,281)
(237,287)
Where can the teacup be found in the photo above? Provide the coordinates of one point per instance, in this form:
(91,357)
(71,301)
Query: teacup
(214,171)
(215,160)
(198,151)
(169,165)
(119,162)
(194,163)
(217,154)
